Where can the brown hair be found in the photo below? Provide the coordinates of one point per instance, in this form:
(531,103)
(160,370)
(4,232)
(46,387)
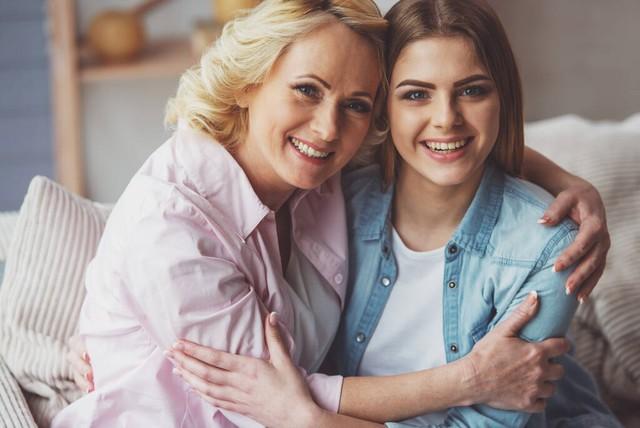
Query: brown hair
(412,20)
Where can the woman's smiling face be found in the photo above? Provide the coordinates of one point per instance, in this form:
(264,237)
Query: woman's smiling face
(444,111)
(314,109)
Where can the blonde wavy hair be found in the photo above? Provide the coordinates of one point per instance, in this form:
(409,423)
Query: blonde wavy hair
(207,97)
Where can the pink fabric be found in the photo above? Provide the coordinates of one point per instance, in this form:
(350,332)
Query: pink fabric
(190,252)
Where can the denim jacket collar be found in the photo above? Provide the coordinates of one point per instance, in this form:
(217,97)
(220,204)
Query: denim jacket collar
(474,231)
(472,234)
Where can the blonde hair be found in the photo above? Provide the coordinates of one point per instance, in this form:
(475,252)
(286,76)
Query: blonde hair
(207,97)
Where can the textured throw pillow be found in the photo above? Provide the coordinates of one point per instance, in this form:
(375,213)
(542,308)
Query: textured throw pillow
(14,411)
(606,328)
(7,224)
(55,237)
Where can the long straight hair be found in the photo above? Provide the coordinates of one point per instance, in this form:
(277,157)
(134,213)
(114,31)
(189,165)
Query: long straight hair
(412,20)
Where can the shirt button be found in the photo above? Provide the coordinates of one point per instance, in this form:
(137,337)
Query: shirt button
(385,281)
(338,278)
(453,249)
(454,348)
(452,284)
(360,337)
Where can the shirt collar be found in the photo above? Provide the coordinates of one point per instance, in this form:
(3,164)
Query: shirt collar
(473,232)
(218,177)
(475,229)
(211,168)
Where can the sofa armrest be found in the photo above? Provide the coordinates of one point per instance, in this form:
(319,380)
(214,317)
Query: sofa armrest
(14,411)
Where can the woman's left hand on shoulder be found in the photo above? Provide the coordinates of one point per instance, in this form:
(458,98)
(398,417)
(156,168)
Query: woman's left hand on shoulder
(273,392)
(581,202)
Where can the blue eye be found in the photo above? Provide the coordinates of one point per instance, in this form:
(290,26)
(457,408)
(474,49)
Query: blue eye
(358,106)
(415,95)
(473,91)
(307,90)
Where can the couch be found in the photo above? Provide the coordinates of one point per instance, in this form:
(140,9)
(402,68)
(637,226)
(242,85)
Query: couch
(47,245)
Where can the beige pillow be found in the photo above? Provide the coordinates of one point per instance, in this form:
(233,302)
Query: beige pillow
(606,328)
(55,237)
(14,411)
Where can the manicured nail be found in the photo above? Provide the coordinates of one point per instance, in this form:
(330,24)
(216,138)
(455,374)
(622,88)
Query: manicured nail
(178,345)
(582,299)
(567,291)
(543,220)
(176,371)
(273,318)
(532,297)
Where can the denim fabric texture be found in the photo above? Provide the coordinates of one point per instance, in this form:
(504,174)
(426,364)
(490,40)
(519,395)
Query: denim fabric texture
(496,256)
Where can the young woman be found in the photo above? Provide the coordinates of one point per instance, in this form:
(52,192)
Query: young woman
(443,245)
(214,233)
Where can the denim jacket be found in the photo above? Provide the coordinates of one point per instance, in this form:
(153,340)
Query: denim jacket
(496,256)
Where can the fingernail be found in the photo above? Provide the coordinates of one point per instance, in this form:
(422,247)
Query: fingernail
(178,345)
(176,371)
(88,390)
(273,318)
(85,356)
(567,291)
(532,297)
(582,299)
(543,220)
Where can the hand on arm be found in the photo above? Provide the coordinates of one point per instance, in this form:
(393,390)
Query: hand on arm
(272,392)
(502,371)
(80,364)
(580,201)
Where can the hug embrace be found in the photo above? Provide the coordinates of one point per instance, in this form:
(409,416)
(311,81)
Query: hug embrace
(244,279)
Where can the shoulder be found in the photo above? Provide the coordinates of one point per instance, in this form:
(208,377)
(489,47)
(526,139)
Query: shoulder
(365,195)
(518,235)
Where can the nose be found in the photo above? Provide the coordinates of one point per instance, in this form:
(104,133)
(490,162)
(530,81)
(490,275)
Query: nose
(325,122)
(445,113)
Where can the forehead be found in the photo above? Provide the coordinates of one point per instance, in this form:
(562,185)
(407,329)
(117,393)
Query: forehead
(336,54)
(438,59)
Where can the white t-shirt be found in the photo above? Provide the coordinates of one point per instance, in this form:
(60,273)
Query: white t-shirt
(409,335)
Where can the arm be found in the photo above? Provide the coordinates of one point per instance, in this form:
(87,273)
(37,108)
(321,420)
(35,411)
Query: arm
(579,200)
(487,375)
(182,283)
(552,320)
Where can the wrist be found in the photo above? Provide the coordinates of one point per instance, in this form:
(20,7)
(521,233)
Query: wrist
(310,415)
(470,379)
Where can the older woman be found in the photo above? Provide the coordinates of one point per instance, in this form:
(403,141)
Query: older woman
(241,214)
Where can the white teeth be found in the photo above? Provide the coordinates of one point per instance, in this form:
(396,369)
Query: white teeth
(433,145)
(307,150)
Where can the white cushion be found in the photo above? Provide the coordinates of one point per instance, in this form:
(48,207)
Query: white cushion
(606,328)
(56,236)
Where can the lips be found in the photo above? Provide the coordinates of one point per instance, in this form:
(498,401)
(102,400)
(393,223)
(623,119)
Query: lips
(446,146)
(307,150)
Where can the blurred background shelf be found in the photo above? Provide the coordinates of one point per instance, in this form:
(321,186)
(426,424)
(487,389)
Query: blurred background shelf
(162,58)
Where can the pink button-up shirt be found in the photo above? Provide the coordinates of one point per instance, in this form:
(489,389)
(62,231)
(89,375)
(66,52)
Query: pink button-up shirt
(190,251)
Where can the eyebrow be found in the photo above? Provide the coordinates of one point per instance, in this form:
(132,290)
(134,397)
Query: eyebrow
(421,84)
(328,86)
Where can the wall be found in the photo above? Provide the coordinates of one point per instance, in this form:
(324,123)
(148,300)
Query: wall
(25,122)
(576,56)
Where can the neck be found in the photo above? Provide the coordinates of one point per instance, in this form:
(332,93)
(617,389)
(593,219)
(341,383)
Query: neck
(270,188)
(425,214)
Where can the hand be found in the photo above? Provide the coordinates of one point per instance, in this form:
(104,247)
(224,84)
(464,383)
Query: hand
(80,363)
(273,392)
(509,373)
(583,204)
